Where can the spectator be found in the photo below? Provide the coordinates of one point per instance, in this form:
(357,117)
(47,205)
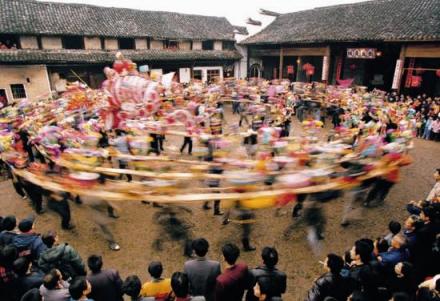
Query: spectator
(360,255)
(158,287)
(32,295)
(8,225)
(54,288)
(331,284)
(275,278)
(434,194)
(28,242)
(7,276)
(79,289)
(394,228)
(425,238)
(60,256)
(429,290)
(106,284)
(132,288)
(397,253)
(235,279)
(180,285)
(412,224)
(403,279)
(27,279)
(201,272)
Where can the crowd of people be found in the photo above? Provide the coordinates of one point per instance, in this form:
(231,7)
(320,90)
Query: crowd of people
(402,265)
(39,267)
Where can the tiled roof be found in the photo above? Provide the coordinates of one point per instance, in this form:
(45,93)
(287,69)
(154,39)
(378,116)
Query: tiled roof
(102,56)
(51,18)
(378,20)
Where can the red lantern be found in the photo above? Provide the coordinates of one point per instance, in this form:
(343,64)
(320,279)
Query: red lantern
(310,71)
(307,66)
(437,72)
(416,81)
(290,69)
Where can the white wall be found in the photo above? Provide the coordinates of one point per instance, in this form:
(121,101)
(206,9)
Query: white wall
(205,73)
(240,67)
(51,43)
(38,84)
(92,43)
(197,45)
(28,42)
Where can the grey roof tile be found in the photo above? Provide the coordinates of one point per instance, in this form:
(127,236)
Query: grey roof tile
(51,18)
(377,20)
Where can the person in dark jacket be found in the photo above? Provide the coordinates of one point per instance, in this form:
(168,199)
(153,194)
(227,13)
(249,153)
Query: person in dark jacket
(8,225)
(403,279)
(60,256)
(235,279)
(106,284)
(268,270)
(28,243)
(425,237)
(27,279)
(331,284)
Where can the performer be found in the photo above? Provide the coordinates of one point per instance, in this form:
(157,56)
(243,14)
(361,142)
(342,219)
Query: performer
(173,228)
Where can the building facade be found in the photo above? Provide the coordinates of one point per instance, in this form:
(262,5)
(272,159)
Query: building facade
(43,44)
(385,44)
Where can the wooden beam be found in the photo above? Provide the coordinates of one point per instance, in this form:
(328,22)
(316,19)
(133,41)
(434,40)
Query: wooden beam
(281,64)
(309,51)
(423,51)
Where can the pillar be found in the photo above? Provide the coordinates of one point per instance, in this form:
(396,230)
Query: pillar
(281,63)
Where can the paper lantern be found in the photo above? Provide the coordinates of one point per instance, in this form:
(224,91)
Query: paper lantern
(307,66)
(437,72)
(416,81)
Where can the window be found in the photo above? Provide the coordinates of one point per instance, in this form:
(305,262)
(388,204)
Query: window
(197,74)
(228,45)
(9,41)
(212,75)
(18,91)
(72,42)
(102,43)
(208,45)
(126,43)
(167,44)
(40,44)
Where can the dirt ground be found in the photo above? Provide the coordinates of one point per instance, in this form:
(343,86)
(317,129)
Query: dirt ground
(135,230)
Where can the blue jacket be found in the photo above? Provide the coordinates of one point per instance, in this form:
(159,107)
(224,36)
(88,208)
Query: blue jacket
(394,256)
(31,242)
